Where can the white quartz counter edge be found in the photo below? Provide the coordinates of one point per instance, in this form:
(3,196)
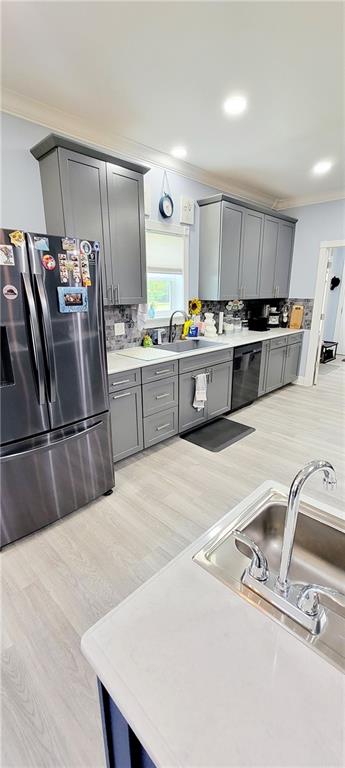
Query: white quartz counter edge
(96,646)
(118,363)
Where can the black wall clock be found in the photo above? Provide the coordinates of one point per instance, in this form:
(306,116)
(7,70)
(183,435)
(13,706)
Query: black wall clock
(166,206)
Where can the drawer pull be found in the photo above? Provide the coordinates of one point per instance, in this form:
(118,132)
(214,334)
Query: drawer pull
(123,394)
(163,426)
(124,381)
(159,397)
(163,370)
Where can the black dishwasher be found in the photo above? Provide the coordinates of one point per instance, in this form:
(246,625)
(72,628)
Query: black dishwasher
(246,374)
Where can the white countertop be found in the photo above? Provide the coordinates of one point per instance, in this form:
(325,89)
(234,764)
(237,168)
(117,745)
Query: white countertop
(208,681)
(119,362)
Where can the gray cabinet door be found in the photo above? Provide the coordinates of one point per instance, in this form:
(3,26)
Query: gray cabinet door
(263,367)
(189,417)
(126,422)
(230,251)
(284,258)
(84,196)
(268,257)
(250,254)
(219,390)
(293,354)
(127,234)
(275,369)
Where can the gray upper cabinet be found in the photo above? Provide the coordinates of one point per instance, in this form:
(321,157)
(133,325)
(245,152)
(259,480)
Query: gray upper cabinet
(250,254)
(87,194)
(268,257)
(284,258)
(245,252)
(127,234)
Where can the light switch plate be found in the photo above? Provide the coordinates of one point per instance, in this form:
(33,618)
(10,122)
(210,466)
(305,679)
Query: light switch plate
(186,210)
(119,329)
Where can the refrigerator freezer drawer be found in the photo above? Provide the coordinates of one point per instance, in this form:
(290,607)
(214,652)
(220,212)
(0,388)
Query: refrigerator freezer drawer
(47,477)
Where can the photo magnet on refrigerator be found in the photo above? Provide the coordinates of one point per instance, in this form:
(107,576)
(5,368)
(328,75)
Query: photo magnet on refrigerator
(6,256)
(69,243)
(48,262)
(17,237)
(41,243)
(85,247)
(10,292)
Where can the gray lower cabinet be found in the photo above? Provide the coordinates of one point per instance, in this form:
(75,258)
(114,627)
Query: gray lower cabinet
(126,422)
(275,368)
(218,395)
(292,360)
(87,195)
(219,390)
(263,367)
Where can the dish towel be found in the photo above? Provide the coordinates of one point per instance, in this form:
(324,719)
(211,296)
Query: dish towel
(200,394)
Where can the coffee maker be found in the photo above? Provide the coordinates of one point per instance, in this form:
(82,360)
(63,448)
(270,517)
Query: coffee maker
(258,316)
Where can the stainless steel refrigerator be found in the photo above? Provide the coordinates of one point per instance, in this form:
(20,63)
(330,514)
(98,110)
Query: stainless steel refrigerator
(55,453)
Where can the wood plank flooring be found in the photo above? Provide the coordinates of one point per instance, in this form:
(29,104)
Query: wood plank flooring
(58,582)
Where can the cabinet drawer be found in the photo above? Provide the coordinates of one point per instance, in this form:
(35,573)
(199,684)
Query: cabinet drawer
(204,360)
(160,371)
(160,426)
(123,380)
(160,395)
(276,343)
(295,337)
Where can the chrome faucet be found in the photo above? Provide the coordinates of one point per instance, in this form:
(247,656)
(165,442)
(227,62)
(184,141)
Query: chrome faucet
(177,312)
(329,480)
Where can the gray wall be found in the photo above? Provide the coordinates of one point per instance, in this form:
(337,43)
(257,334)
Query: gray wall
(22,203)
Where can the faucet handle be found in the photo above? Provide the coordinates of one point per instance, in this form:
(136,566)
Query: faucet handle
(308,599)
(258,567)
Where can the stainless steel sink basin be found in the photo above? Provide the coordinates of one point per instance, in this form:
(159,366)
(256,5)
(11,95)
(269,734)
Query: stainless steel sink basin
(187,345)
(318,557)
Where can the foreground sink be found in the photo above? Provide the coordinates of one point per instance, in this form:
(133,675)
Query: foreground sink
(187,345)
(318,557)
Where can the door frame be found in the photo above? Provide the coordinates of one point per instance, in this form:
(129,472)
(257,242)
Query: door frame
(341,306)
(318,318)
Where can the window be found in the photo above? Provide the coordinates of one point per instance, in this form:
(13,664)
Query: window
(167,274)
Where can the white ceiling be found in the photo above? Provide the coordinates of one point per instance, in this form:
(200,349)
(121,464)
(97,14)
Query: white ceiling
(157,74)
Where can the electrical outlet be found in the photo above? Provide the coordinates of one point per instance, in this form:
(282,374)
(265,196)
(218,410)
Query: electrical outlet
(119,329)
(186,210)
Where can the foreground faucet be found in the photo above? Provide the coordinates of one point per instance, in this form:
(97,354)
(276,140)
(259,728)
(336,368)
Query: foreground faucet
(329,480)
(300,602)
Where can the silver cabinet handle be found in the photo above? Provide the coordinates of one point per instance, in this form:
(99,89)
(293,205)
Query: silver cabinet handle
(163,370)
(123,394)
(124,381)
(163,426)
(159,397)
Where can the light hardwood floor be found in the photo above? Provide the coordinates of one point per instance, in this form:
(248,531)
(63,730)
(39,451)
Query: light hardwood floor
(58,582)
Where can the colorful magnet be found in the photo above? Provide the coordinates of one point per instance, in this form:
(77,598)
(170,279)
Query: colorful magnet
(85,248)
(6,256)
(69,243)
(96,246)
(48,262)
(85,272)
(17,237)
(10,292)
(63,267)
(41,243)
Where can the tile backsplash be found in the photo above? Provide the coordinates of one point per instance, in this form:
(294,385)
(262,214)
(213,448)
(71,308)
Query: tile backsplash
(128,314)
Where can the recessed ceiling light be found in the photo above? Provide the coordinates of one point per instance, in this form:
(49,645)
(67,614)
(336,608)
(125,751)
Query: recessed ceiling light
(235,105)
(179,152)
(323,166)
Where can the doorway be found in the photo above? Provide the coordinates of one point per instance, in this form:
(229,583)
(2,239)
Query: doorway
(322,292)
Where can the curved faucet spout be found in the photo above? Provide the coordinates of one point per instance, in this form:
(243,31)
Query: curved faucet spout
(329,480)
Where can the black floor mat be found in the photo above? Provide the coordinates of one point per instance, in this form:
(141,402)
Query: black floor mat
(218,434)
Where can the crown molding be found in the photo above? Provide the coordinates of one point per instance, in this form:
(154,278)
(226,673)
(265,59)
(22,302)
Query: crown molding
(75,127)
(296,202)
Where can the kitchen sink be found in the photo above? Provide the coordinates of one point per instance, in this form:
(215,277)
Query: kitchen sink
(187,345)
(318,557)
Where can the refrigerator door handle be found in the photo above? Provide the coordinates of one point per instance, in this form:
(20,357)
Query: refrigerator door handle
(35,338)
(48,445)
(48,338)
